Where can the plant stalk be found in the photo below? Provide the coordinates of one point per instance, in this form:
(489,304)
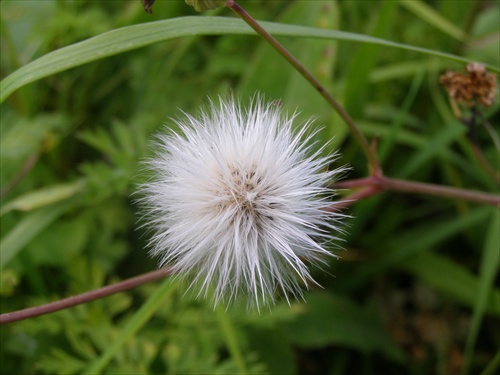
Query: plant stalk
(84,297)
(393,184)
(368,151)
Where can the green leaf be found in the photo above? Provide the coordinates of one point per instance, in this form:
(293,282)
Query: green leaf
(484,297)
(273,348)
(363,61)
(139,319)
(25,136)
(337,320)
(387,143)
(233,344)
(131,37)
(417,239)
(429,15)
(43,197)
(59,244)
(28,228)
(452,279)
(441,141)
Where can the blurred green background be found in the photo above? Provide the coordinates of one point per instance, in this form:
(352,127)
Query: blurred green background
(414,291)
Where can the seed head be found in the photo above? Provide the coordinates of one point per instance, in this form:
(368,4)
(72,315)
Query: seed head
(239,203)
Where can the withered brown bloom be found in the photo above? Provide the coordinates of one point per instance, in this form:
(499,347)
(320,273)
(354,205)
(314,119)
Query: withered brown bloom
(148,5)
(477,87)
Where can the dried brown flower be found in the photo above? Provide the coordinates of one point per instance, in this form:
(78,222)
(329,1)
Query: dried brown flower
(148,5)
(478,87)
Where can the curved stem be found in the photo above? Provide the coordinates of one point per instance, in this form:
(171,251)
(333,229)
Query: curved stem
(369,152)
(84,297)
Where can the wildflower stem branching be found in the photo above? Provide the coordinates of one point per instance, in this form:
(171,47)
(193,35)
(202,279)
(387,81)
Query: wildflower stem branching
(376,181)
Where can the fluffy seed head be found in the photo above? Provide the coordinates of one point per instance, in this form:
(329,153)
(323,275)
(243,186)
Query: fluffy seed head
(239,202)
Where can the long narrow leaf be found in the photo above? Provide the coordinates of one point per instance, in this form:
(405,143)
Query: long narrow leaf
(28,228)
(42,197)
(487,273)
(141,317)
(432,17)
(418,239)
(458,283)
(136,36)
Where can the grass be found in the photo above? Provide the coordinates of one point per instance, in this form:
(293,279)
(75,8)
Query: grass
(85,85)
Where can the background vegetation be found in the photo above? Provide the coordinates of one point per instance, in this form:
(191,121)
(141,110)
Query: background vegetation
(413,291)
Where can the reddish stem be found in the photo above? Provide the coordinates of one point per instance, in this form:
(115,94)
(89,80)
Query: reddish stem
(84,297)
(382,182)
(352,198)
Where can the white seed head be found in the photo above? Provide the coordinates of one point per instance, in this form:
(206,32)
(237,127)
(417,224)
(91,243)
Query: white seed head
(239,202)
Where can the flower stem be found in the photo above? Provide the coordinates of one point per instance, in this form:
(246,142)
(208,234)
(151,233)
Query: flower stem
(84,297)
(365,192)
(369,152)
(393,184)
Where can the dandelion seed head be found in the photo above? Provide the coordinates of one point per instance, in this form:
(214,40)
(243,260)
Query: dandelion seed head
(239,202)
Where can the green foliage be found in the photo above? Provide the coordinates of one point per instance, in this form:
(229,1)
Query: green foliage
(335,320)
(87,85)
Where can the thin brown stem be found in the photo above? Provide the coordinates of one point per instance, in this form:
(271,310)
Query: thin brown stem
(84,297)
(348,200)
(440,191)
(394,184)
(369,152)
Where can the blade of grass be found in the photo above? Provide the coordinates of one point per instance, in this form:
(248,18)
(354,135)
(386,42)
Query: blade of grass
(493,365)
(402,69)
(137,321)
(233,346)
(459,283)
(42,197)
(433,18)
(440,141)
(388,142)
(136,36)
(487,272)
(418,239)
(363,61)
